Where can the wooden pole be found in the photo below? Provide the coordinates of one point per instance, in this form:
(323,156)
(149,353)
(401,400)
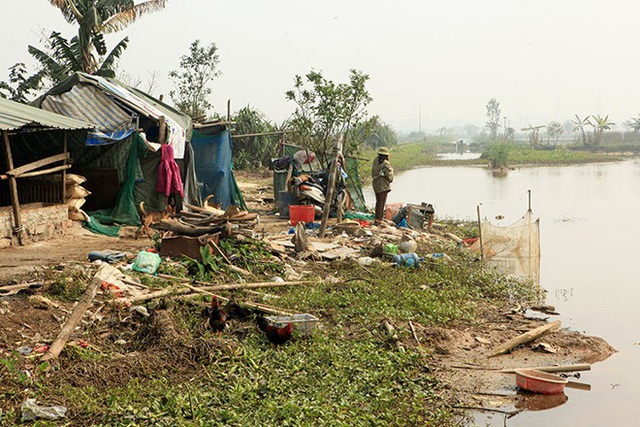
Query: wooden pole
(162,130)
(72,321)
(13,184)
(480,235)
(228,110)
(525,338)
(64,171)
(553,368)
(328,197)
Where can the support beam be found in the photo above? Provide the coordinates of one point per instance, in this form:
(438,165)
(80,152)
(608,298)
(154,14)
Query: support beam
(328,197)
(15,201)
(64,163)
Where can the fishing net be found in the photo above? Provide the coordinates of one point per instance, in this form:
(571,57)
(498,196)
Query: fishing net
(512,250)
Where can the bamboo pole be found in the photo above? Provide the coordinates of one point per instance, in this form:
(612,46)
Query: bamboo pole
(237,285)
(64,163)
(553,368)
(328,197)
(525,338)
(15,201)
(72,321)
(480,235)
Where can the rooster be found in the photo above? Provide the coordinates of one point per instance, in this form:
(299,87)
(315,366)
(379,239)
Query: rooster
(274,334)
(217,317)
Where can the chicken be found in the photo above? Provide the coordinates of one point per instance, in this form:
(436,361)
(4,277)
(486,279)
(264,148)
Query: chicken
(217,317)
(274,334)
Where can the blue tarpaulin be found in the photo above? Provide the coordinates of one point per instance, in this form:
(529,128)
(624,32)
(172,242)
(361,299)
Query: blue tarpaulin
(214,168)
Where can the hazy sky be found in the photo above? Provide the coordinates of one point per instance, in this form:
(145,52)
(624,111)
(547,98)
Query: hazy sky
(543,60)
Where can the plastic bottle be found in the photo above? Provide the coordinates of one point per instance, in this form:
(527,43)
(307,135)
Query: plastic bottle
(410,259)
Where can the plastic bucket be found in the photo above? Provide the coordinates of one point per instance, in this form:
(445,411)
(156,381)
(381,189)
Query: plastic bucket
(285,199)
(299,213)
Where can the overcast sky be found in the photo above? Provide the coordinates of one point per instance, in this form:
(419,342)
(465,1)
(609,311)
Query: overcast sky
(431,63)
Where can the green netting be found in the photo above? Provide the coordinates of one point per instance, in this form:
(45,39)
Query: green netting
(125,210)
(96,227)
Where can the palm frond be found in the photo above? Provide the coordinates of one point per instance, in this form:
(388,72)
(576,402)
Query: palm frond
(109,63)
(127,16)
(54,69)
(69,10)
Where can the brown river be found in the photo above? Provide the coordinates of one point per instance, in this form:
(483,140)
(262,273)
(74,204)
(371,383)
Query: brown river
(590,263)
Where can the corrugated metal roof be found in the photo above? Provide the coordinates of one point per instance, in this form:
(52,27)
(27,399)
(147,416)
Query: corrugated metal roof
(14,115)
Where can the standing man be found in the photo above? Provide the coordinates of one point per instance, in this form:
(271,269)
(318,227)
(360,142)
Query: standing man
(382,176)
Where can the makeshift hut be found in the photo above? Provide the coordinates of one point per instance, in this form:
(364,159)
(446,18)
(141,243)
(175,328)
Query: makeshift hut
(122,155)
(295,160)
(33,171)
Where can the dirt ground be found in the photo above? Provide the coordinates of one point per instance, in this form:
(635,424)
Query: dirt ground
(460,353)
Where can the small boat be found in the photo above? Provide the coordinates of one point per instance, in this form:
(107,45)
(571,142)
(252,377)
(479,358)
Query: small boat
(539,382)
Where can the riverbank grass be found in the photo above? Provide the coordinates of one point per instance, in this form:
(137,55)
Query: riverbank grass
(174,371)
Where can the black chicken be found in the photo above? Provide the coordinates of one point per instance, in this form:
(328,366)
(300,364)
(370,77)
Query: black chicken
(217,317)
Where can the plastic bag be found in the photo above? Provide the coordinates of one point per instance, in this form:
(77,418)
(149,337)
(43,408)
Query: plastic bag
(147,262)
(32,411)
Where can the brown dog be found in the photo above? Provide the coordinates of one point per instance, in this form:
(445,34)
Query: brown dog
(149,218)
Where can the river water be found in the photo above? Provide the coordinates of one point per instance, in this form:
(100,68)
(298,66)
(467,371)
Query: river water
(590,262)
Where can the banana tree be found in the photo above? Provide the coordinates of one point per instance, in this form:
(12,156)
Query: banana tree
(600,124)
(98,17)
(579,125)
(63,58)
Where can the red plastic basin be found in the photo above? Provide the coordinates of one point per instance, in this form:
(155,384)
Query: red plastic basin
(539,382)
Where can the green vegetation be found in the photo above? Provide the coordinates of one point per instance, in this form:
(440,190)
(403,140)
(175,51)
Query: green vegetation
(504,154)
(325,110)
(197,70)
(346,373)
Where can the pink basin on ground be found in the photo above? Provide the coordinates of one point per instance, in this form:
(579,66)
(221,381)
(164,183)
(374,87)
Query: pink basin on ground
(539,382)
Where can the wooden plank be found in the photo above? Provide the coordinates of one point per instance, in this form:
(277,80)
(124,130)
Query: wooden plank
(73,320)
(17,172)
(525,338)
(45,171)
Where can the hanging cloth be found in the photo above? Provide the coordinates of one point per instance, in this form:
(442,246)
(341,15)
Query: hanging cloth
(169,180)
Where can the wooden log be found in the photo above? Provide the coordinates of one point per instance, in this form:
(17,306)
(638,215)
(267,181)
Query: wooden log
(553,368)
(187,230)
(73,320)
(525,338)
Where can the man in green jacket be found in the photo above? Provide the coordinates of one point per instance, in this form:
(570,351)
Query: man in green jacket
(382,176)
